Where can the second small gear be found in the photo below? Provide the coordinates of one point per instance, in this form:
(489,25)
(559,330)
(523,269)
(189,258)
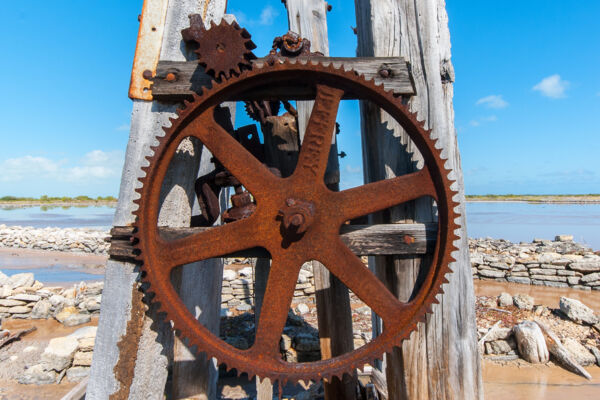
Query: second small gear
(224,50)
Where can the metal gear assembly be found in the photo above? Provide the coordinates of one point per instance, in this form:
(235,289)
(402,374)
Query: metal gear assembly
(224,50)
(297,219)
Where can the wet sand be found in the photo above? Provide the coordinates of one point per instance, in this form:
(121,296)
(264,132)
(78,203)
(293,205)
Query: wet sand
(547,296)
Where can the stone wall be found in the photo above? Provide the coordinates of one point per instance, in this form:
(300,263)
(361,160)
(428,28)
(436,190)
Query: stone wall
(56,239)
(558,263)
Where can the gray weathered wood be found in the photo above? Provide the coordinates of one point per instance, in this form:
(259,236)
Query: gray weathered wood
(560,353)
(78,392)
(531,343)
(364,240)
(308,18)
(190,77)
(441,360)
(132,351)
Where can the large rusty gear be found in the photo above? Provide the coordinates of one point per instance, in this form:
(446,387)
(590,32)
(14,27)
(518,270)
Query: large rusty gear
(297,219)
(224,50)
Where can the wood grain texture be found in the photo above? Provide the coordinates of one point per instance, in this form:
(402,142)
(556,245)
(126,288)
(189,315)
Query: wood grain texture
(441,359)
(308,18)
(191,78)
(155,344)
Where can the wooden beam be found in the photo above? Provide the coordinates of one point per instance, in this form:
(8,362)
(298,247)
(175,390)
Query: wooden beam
(190,78)
(441,359)
(363,240)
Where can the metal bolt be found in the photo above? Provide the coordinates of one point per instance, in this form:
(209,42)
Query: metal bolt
(171,77)
(147,74)
(385,72)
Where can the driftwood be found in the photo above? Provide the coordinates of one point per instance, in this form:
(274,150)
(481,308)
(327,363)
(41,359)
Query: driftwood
(561,354)
(531,342)
(15,336)
(488,334)
(78,392)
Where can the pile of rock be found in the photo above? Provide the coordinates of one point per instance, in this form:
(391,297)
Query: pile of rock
(22,297)
(81,240)
(238,288)
(558,263)
(69,356)
(502,343)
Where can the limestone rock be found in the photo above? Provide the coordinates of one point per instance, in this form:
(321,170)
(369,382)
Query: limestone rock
(585,266)
(11,303)
(531,342)
(30,298)
(19,310)
(229,275)
(579,352)
(77,374)
(77,319)
(577,311)
(523,302)
(3,279)
(41,310)
(302,309)
(489,273)
(20,280)
(59,353)
(563,238)
(596,352)
(505,300)
(500,347)
(591,277)
(82,359)
(37,375)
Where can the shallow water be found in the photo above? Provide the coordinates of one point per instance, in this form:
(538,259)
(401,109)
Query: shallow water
(59,217)
(522,222)
(547,296)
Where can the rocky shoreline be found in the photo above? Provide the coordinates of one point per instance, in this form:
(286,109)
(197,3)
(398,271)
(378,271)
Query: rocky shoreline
(560,263)
(79,240)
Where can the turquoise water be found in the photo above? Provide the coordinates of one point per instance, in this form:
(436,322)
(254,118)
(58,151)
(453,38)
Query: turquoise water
(524,221)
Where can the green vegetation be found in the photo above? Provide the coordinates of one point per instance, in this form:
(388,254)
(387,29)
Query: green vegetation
(64,199)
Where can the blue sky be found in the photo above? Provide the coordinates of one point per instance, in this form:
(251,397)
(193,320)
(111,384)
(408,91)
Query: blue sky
(527,94)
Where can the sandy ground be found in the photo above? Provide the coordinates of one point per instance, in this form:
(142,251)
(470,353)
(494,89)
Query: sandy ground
(27,351)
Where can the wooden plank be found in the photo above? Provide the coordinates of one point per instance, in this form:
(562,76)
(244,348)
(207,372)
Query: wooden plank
(363,240)
(441,359)
(133,349)
(308,18)
(190,78)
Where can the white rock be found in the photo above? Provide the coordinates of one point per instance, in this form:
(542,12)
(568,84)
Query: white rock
(82,359)
(579,352)
(523,301)
(229,275)
(76,374)
(59,353)
(5,291)
(56,300)
(26,297)
(302,309)
(577,311)
(37,375)
(3,279)
(246,272)
(505,300)
(29,349)
(11,303)
(19,280)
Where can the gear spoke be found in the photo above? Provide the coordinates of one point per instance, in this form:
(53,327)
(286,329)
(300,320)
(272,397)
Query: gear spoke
(348,268)
(314,151)
(276,304)
(377,196)
(235,158)
(218,241)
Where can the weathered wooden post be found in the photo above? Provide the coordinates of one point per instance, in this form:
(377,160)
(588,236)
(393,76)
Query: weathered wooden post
(308,18)
(132,349)
(441,360)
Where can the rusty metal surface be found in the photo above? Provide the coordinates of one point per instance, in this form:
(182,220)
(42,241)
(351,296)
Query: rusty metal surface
(147,51)
(224,50)
(304,202)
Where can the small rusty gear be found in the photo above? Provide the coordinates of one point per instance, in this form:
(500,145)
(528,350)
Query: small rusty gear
(297,219)
(224,50)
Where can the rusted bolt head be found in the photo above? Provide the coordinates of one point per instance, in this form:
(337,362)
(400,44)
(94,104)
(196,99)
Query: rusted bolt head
(297,215)
(147,74)
(385,72)
(171,77)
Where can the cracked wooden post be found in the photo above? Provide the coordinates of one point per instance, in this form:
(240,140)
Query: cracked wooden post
(441,359)
(308,18)
(132,350)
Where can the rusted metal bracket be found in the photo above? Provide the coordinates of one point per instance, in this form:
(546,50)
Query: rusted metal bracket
(147,51)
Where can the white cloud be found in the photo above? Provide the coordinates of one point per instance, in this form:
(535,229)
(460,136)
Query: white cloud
(268,15)
(124,127)
(353,170)
(95,165)
(474,123)
(552,86)
(492,101)
(477,122)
